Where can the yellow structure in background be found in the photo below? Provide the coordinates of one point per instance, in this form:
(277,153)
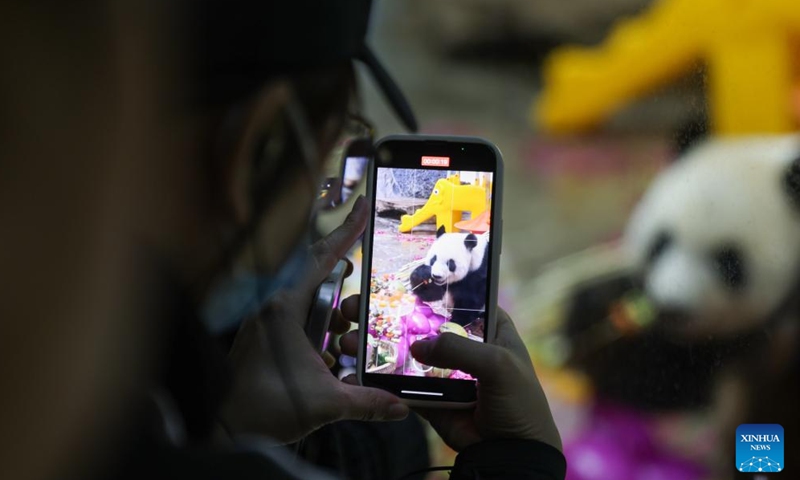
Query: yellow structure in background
(750,49)
(447,201)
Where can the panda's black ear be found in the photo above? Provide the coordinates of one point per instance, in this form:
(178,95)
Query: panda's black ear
(471,242)
(440,231)
(791,182)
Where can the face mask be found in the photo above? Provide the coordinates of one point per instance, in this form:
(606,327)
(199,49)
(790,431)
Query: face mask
(244,293)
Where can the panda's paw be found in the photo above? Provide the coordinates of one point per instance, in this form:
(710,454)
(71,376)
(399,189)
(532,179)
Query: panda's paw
(423,287)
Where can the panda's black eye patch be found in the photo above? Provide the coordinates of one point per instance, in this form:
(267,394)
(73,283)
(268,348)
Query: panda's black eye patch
(729,264)
(433,260)
(662,241)
(451,264)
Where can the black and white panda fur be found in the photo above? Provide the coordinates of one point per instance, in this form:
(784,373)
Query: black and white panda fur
(717,235)
(715,245)
(716,239)
(455,270)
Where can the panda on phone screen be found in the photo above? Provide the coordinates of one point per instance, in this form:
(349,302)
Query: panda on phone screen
(455,271)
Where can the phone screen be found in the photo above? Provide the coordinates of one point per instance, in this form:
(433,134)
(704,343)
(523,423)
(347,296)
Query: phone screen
(430,261)
(353,172)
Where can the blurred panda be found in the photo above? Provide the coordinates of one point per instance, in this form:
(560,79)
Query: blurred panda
(716,242)
(714,247)
(455,271)
(717,236)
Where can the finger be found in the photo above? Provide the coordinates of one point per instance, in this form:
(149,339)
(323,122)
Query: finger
(424,412)
(437,416)
(456,426)
(349,270)
(349,344)
(349,307)
(334,246)
(350,379)
(482,360)
(339,324)
(366,403)
(430,415)
(506,335)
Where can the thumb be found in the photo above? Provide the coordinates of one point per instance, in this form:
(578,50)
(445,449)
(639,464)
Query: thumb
(365,403)
(481,360)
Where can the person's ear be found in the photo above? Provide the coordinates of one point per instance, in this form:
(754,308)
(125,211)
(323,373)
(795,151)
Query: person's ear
(258,119)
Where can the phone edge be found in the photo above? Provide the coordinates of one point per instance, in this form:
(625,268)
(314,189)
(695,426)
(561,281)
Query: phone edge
(366,246)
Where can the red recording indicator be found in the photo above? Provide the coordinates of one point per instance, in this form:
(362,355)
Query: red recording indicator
(435,161)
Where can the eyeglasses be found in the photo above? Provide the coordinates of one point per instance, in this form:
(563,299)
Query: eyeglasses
(347,163)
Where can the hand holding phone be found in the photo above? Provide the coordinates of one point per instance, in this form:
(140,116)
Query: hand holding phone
(511,403)
(431,252)
(282,389)
(326,299)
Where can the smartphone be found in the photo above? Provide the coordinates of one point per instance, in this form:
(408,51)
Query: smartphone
(430,258)
(326,299)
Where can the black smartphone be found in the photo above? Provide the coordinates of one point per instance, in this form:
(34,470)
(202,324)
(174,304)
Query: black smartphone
(430,258)
(326,299)
(344,176)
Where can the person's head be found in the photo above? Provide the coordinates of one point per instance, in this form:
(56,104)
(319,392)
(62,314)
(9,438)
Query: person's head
(260,160)
(267,104)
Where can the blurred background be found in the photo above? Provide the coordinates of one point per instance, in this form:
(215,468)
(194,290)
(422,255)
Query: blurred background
(589,103)
(651,256)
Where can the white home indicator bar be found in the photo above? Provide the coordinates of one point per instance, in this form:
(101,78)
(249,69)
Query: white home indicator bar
(414,392)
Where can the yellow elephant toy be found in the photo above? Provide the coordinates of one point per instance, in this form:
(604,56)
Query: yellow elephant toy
(447,202)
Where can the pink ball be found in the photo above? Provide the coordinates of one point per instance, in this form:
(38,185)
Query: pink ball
(417,324)
(423,308)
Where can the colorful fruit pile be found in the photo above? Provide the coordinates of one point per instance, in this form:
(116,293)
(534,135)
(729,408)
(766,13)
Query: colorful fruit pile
(389,301)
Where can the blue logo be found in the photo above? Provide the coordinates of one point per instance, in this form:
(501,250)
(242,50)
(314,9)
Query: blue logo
(759,448)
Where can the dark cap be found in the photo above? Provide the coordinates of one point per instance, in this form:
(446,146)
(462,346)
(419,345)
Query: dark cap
(242,43)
